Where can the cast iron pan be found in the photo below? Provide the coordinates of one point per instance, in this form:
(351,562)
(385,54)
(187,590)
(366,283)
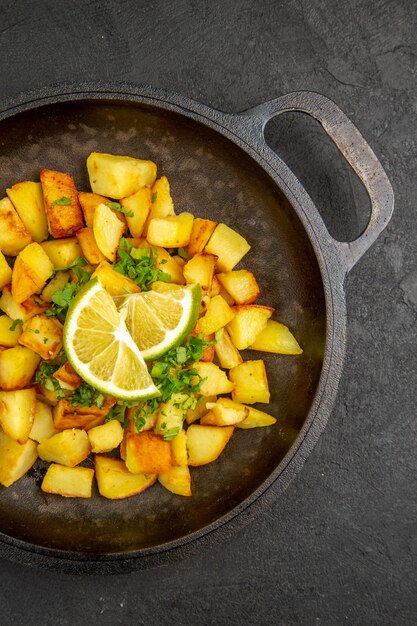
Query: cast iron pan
(219,166)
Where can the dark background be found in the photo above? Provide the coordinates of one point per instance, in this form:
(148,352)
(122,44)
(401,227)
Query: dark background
(341,545)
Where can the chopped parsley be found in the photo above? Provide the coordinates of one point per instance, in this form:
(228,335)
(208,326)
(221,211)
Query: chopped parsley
(78,262)
(64,201)
(139,265)
(15,324)
(116,206)
(86,395)
(61,299)
(154,196)
(183,253)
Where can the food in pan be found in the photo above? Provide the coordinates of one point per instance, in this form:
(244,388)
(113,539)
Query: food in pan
(121,333)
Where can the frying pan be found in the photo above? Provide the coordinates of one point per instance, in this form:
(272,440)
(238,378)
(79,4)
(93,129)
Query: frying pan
(219,166)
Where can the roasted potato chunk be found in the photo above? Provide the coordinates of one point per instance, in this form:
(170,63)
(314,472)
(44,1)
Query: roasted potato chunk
(200,234)
(228,355)
(62,206)
(43,425)
(27,199)
(228,246)
(20,311)
(68,416)
(250,382)
(5,271)
(139,204)
(106,437)
(14,236)
(71,482)
(89,247)
(147,453)
(67,377)
(17,367)
(114,282)
(241,285)
(43,335)
(17,412)
(116,482)
(225,412)
(31,270)
(89,202)
(62,252)
(173,231)
(15,458)
(177,480)
(107,231)
(56,283)
(217,315)
(277,338)
(68,447)
(118,176)
(256,418)
(248,322)
(192,415)
(200,269)
(9,332)
(179,449)
(206,443)
(215,381)
(161,201)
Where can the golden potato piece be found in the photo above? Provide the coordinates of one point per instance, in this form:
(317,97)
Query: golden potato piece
(20,311)
(5,271)
(106,437)
(31,270)
(192,415)
(179,449)
(62,206)
(228,246)
(15,458)
(147,453)
(228,355)
(200,269)
(17,367)
(217,315)
(9,332)
(68,416)
(170,415)
(56,283)
(43,425)
(256,418)
(67,377)
(277,338)
(43,335)
(27,199)
(161,201)
(241,285)
(251,383)
(139,204)
(14,235)
(224,412)
(177,480)
(201,232)
(70,482)
(68,447)
(62,252)
(17,412)
(248,322)
(173,231)
(206,443)
(115,283)
(89,247)
(215,381)
(107,231)
(89,202)
(118,176)
(116,482)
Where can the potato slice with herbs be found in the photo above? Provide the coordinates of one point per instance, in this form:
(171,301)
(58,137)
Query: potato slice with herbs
(108,230)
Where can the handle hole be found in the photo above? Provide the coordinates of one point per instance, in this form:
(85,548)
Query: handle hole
(337,192)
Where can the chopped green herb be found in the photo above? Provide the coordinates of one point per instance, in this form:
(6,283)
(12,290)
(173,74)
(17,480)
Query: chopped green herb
(219,334)
(139,265)
(154,196)
(86,395)
(61,299)
(116,206)
(183,253)
(171,433)
(64,201)
(36,331)
(78,262)
(15,324)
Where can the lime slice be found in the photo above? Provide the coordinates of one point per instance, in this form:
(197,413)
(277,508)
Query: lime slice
(161,318)
(100,348)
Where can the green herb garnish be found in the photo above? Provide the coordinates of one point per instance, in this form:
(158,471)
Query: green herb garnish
(116,206)
(15,324)
(139,265)
(183,253)
(64,201)
(154,196)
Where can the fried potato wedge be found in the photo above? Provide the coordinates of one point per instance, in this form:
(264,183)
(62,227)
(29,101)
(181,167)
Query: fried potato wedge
(118,176)
(215,381)
(241,285)
(200,234)
(256,419)
(177,480)
(89,247)
(68,447)
(17,412)
(9,333)
(147,453)
(228,355)
(70,482)
(251,383)
(14,236)
(43,425)
(68,416)
(115,283)
(5,271)
(228,245)
(224,412)
(206,443)
(27,199)
(106,437)
(139,204)
(43,335)
(17,367)
(62,252)
(248,322)
(15,458)
(89,202)
(114,480)
(277,338)
(107,229)
(62,206)
(31,270)
(217,315)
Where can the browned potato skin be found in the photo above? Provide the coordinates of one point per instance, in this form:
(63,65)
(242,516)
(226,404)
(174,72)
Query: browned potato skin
(147,453)
(68,376)
(67,416)
(63,221)
(43,335)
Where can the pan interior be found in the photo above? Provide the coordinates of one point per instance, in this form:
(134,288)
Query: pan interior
(211,177)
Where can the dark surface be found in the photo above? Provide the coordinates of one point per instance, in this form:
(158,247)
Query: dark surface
(340,546)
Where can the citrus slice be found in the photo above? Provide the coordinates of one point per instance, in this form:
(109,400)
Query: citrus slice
(100,348)
(161,318)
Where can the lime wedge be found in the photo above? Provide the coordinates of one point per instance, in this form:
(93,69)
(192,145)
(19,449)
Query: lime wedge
(100,348)
(161,318)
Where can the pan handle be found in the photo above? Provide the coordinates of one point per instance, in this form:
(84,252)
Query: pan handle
(355,150)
